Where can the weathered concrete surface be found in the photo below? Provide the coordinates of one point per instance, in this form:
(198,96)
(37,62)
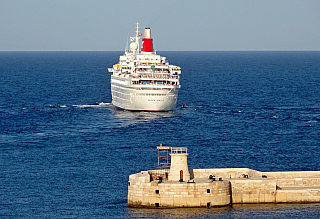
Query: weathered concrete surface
(298,195)
(239,185)
(253,191)
(179,163)
(200,193)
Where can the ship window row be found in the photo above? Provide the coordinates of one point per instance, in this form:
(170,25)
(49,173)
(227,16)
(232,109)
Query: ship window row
(157,76)
(152,63)
(142,94)
(154,83)
(148,59)
(150,71)
(155,88)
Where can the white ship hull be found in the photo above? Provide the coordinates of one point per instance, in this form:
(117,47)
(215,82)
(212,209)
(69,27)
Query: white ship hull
(139,98)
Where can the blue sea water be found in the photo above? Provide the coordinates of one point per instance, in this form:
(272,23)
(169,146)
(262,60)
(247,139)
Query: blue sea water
(66,152)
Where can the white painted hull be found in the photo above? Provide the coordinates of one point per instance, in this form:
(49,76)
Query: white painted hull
(131,98)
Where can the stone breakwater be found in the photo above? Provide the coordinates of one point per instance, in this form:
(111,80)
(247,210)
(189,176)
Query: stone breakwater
(221,187)
(180,186)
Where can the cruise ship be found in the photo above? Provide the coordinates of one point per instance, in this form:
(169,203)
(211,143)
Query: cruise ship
(143,80)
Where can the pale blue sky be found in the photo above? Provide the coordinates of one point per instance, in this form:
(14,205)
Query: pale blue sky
(176,25)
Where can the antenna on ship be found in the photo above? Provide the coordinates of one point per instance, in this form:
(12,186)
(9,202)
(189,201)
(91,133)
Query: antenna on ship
(134,46)
(137,35)
(137,29)
(127,43)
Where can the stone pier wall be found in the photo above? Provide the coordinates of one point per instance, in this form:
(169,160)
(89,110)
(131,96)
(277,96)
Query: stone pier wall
(307,195)
(238,185)
(142,192)
(298,182)
(291,174)
(224,173)
(253,191)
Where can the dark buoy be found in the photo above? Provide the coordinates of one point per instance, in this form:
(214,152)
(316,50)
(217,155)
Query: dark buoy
(184,105)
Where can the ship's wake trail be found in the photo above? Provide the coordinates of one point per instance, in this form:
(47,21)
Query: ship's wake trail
(102,104)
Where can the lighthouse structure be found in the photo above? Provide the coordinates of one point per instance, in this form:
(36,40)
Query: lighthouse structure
(176,186)
(179,165)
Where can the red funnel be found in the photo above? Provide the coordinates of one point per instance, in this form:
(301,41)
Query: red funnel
(147,44)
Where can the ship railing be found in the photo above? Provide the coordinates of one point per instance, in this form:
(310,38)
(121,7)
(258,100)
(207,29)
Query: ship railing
(155,85)
(155,77)
(150,63)
(151,72)
(159,79)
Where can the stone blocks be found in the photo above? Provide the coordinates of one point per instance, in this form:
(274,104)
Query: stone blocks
(177,194)
(244,186)
(253,191)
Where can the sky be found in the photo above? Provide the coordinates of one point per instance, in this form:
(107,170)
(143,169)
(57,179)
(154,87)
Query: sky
(176,25)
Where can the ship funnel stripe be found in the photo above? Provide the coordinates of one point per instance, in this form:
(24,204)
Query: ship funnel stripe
(147,32)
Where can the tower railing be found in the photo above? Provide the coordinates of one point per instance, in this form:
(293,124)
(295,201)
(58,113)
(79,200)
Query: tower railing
(179,150)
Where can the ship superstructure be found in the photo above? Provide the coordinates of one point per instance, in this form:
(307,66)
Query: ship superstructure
(143,80)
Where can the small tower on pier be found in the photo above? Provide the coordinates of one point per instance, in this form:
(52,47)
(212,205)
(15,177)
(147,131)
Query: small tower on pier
(179,165)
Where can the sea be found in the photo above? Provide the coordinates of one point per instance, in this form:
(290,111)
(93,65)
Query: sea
(67,152)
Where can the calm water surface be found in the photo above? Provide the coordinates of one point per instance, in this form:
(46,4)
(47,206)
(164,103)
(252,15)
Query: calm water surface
(66,152)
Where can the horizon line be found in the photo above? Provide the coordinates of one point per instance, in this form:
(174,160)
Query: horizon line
(163,50)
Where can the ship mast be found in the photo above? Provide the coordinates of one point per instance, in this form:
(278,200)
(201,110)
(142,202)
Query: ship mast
(137,35)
